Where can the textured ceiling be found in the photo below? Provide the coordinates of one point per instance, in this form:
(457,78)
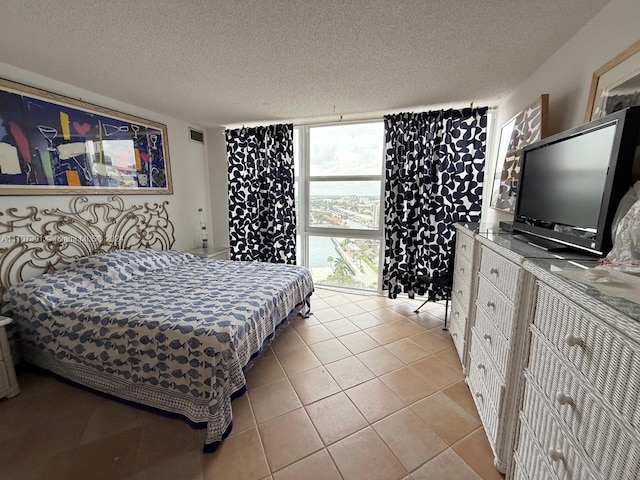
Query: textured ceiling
(230,62)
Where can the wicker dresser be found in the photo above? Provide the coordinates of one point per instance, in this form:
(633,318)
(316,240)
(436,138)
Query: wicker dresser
(463,292)
(580,416)
(8,383)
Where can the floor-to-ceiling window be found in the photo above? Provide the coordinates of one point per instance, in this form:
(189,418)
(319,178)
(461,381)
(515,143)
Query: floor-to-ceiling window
(338,199)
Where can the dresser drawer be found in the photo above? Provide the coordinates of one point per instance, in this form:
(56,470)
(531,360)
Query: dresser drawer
(529,457)
(519,473)
(458,313)
(486,372)
(464,246)
(555,444)
(457,335)
(463,269)
(611,448)
(499,309)
(609,363)
(463,291)
(502,273)
(490,418)
(486,333)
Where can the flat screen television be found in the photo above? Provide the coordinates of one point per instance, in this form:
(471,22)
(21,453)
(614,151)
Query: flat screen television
(571,183)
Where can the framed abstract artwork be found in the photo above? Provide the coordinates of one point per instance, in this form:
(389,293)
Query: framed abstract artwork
(528,126)
(615,85)
(52,144)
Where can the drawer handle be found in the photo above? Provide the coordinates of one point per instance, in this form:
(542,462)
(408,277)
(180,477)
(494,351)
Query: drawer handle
(454,334)
(491,305)
(456,314)
(486,336)
(494,271)
(555,455)
(573,340)
(460,292)
(461,269)
(479,395)
(564,399)
(463,246)
(481,366)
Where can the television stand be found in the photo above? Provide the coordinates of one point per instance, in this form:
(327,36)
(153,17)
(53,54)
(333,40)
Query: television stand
(541,243)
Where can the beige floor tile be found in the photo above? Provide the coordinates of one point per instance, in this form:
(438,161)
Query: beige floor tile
(407,327)
(298,360)
(274,399)
(289,438)
(384,334)
(327,315)
(265,370)
(349,372)
(239,458)
(476,451)
(111,417)
(380,361)
(314,384)
(404,309)
(184,465)
(315,334)
(448,419)
(409,438)
(375,400)
(459,392)
(358,297)
(406,350)
(341,327)
(242,415)
(107,458)
(318,466)
(365,320)
(444,334)
(369,303)
(426,319)
(387,315)
(430,342)
(326,292)
(287,341)
(166,438)
(446,466)
(349,309)
(408,385)
(304,322)
(318,304)
(364,453)
(330,351)
(335,418)
(436,372)
(337,300)
(451,358)
(358,342)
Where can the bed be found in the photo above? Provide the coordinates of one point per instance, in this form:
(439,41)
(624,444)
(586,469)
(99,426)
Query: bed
(164,329)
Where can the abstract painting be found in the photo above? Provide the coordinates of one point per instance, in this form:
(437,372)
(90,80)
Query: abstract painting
(52,144)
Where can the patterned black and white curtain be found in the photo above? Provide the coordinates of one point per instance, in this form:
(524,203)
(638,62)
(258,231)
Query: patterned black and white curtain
(434,172)
(262,217)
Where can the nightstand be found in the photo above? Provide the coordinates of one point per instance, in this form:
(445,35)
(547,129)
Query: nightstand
(8,382)
(217,253)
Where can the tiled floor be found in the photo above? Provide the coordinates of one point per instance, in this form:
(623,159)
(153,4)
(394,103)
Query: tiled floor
(363,389)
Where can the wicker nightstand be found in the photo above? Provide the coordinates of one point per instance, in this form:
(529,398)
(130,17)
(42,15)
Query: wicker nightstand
(217,253)
(8,382)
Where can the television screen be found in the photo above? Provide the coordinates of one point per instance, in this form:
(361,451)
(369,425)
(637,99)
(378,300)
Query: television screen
(565,181)
(571,183)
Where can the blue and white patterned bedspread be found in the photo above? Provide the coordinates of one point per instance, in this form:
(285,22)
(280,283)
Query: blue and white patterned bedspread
(165,329)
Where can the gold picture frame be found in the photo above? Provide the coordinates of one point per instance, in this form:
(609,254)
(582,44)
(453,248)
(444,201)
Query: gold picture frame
(53,144)
(616,84)
(528,126)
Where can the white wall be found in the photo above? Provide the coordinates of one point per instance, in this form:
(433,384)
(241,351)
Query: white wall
(216,150)
(188,162)
(566,77)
